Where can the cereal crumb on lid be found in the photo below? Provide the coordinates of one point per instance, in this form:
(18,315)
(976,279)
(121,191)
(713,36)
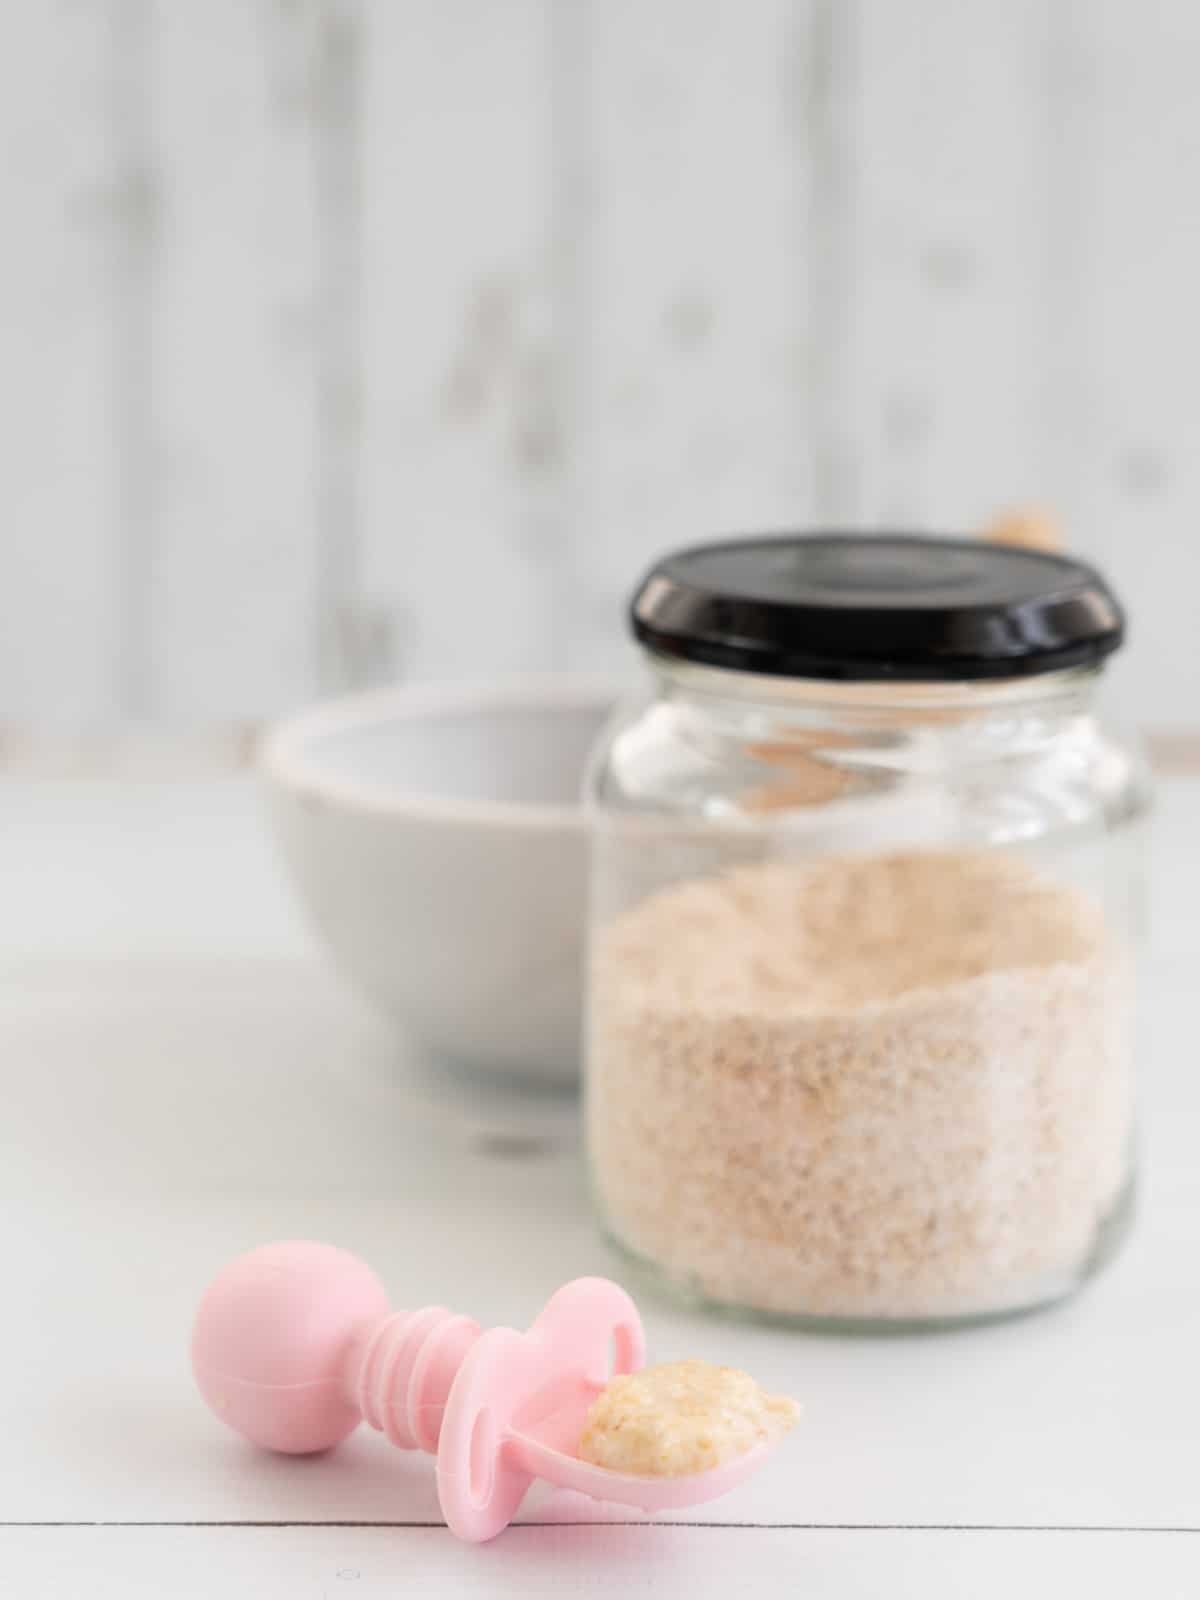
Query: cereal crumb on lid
(1028,529)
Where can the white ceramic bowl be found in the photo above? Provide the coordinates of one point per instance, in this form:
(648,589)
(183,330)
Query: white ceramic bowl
(436,839)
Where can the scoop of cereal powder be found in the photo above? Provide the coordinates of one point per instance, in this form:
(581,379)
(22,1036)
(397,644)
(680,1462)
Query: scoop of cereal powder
(683,1417)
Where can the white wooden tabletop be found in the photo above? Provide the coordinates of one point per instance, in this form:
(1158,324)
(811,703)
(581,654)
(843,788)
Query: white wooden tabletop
(185,1079)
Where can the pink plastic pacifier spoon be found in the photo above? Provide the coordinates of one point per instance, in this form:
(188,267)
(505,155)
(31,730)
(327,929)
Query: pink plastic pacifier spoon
(294,1344)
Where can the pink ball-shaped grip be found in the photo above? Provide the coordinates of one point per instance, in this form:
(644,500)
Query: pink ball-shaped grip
(272,1340)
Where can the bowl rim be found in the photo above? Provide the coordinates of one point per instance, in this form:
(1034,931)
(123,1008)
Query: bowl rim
(285,757)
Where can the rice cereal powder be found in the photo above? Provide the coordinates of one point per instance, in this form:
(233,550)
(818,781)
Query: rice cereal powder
(881,1086)
(681,1418)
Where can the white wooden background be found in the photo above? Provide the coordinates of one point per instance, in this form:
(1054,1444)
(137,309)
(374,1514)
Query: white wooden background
(348,339)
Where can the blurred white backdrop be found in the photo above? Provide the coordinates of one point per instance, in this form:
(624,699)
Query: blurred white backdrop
(348,340)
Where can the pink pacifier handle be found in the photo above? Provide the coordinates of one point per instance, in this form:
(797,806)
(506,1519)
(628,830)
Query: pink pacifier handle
(294,1344)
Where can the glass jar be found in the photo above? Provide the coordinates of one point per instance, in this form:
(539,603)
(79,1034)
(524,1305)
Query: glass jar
(866,891)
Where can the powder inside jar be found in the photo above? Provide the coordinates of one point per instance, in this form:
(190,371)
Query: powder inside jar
(683,1417)
(878,1086)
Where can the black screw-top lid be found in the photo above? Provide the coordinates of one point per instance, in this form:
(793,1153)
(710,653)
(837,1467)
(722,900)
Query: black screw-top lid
(877,606)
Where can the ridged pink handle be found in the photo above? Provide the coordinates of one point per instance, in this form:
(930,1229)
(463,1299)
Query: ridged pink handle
(408,1366)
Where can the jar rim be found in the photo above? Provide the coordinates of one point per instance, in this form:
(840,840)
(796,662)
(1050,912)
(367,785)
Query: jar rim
(1066,685)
